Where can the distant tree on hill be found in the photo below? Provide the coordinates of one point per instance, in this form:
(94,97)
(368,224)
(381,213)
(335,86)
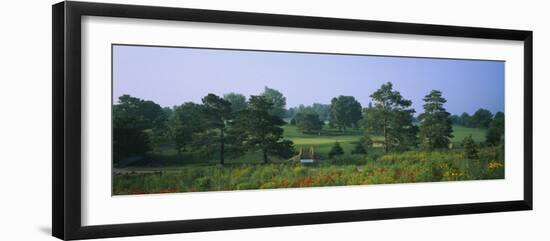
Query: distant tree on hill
(336,150)
(495,133)
(320,109)
(238,101)
(391,116)
(455,119)
(308,122)
(345,112)
(482,118)
(278,101)
(256,129)
(435,123)
(466,120)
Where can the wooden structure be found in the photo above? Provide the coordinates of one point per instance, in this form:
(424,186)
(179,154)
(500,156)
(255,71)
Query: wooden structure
(308,156)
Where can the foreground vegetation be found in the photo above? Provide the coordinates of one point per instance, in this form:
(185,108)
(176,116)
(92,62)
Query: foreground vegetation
(407,167)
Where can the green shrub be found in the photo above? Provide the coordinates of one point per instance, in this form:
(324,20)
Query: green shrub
(336,150)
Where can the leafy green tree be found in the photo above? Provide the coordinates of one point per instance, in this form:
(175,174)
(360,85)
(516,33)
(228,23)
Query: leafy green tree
(470,147)
(336,150)
(238,101)
(466,120)
(256,129)
(345,112)
(184,124)
(322,110)
(482,118)
(308,122)
(391,116)
(278,101)
(218,114)
(160,134)
(134,121)
(129,137)
(435,123)
(455,119)
(152,113)
(495,133)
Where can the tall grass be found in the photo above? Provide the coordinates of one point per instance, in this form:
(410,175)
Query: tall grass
(375,168)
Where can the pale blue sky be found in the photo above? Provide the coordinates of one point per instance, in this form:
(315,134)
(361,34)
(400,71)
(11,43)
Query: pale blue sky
(172,76)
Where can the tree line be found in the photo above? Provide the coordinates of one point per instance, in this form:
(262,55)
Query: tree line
(233,124)
(390,115)
(229,124)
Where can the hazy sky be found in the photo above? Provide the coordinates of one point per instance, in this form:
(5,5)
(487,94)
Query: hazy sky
(172,76)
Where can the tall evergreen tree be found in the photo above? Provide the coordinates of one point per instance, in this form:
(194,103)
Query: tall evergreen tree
(217,113)
(435,123)
(391,116)
(257,129)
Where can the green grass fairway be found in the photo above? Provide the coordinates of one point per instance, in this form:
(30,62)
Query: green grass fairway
(328,136)
(323,142)
(460,132)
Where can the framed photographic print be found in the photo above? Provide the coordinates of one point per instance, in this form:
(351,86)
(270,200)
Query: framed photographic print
(170,120)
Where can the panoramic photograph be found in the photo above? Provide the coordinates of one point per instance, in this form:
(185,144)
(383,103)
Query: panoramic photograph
(202,119)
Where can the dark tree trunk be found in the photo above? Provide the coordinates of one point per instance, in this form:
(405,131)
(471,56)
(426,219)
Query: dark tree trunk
(222,146)
(265,155)
(385,136)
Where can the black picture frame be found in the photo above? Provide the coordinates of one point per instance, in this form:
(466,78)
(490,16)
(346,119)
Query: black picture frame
(66,58)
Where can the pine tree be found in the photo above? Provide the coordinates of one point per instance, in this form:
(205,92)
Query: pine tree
(470,147)
(217,113)
(256,129)
(436,126)
(391,116)
(336,150)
